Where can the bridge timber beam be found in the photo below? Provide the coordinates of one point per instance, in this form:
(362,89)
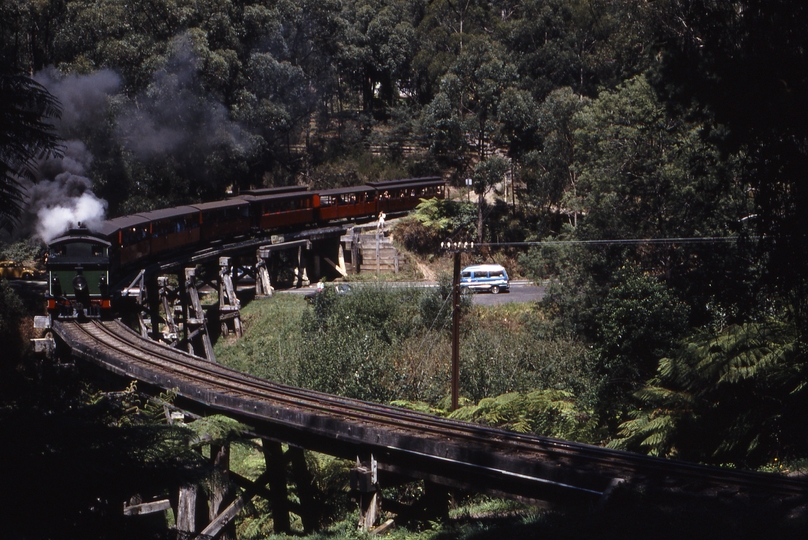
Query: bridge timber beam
(229,304)
(446,461)
(196,323)
(404,443)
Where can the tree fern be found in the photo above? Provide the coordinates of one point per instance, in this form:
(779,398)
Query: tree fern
(737,397)
(552,413)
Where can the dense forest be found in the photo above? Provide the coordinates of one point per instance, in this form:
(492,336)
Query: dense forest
(652,153)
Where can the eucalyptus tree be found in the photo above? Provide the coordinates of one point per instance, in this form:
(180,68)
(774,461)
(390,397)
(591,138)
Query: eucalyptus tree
(647,174)
(461,124)
(380,46)
(487,174)
(582,44)
(308,34)
(444,29)
(644,173)
(129,38)
(462,119)
(546,166)
(27,31)
(744,61)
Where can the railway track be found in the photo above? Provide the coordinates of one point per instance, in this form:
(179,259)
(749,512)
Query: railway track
(406,442)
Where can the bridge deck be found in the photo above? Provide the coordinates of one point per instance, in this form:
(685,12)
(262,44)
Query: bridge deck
(448,452)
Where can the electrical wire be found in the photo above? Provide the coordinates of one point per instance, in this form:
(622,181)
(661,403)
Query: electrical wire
(624,241)
(428,333)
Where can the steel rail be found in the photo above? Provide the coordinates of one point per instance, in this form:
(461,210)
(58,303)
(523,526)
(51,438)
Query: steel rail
(222,384)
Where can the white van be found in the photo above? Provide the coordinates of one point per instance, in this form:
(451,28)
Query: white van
(485,277)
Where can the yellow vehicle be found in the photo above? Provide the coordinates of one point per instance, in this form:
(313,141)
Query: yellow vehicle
(15,270)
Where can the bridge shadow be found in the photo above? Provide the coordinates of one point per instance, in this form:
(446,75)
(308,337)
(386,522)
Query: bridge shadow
(634,513)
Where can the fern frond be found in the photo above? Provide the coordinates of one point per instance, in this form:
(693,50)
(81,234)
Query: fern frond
(216,429)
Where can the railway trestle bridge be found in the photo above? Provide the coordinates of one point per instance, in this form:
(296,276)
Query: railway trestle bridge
(172,352)
(390,445)
(163,298)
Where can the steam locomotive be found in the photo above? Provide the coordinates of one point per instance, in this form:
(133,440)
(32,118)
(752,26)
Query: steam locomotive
(81,263)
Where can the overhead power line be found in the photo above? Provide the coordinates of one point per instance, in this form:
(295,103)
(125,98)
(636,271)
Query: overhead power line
(625,241)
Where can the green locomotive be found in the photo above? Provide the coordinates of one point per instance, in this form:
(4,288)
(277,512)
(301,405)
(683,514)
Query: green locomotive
(78,266)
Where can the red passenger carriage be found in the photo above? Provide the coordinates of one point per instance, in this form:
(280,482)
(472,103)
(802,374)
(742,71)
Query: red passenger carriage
(347,203)
(223,219)
(148,236)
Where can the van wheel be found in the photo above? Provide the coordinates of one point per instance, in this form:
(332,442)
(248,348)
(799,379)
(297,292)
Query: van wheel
(494,289)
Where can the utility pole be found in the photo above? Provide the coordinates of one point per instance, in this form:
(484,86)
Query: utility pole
(456,331)
(456,248)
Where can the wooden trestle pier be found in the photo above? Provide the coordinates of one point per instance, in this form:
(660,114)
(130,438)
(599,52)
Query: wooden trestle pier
(388,444)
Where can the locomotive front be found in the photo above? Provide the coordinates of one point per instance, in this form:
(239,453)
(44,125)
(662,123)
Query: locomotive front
(78,276)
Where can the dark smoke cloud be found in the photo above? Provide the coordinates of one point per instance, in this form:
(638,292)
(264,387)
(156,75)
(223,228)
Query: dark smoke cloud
(62,196)
(176,115)
(83,97)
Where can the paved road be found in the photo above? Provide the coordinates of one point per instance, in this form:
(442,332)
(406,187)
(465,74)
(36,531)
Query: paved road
(521,291)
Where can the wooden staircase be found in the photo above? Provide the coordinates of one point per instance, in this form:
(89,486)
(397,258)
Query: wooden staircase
(371,251)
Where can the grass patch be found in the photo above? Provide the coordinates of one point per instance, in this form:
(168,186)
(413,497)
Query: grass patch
(271,346)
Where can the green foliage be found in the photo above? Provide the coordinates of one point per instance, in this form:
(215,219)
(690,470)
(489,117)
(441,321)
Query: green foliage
(551,413)
(549,178)
(518,122)
(435,307)
(432,222)
(629,318)
(383,344)
(416,237)
(273,343)
(434,214)
(760,41)
(76,440)
(646,174)
(585,45)
(11,313)
(462,117)
(489,173)
(639,321)
(503,352)
(28,250)
(26,112)
(215,429)
(732,397)
(639,172)
(350,340)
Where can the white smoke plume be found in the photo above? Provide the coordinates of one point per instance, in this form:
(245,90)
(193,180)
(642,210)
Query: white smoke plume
(62,196)
(86,210)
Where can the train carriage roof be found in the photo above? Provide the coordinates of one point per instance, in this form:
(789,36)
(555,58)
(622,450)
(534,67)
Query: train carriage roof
(422,183)
(273,190)
(111,226)
(216,205)
(387,184)
(279,196)
(343,190)
(168,213)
